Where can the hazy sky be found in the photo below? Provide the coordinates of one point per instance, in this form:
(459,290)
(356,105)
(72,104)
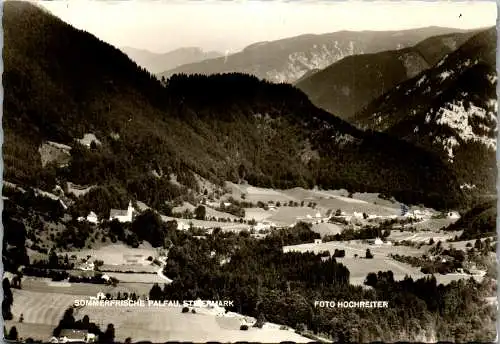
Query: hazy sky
(224,25)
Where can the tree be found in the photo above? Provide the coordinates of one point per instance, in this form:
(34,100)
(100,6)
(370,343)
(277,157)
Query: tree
(155,293)
(478,244)
(7,300)
(369,255)
(261,320)
(85,322)
(53,260)
(109,335)
(431,241)
(13,335)
(371,279)
(200,212)
(338,212)
(149,226)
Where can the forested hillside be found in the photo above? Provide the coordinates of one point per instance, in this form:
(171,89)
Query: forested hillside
(450,109)
(61,83)
(346,86)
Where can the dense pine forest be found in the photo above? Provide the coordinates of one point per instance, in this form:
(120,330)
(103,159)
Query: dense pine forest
(281,287)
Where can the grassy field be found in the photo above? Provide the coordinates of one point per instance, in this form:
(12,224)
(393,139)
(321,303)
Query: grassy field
(325,199)
(138,268)
(423,237)
(118,254)
(360,268)
(209,224)
(356,247)
(326,229)
(27,330)
(159,324)
(136,277)
(45,285)
(255,194)
(257,214)
(41,312)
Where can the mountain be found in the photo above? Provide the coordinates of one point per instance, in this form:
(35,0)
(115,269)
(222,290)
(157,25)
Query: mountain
(450,109)
(288,59)
(156,63)
(351,83)
(221,127)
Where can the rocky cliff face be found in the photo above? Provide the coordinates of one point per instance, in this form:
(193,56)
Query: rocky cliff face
(289,59)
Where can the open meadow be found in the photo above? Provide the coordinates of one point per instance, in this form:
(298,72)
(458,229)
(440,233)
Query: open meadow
(422,237)
(359,267)
(45,285)
(230,226)
(160,324)
(356,247)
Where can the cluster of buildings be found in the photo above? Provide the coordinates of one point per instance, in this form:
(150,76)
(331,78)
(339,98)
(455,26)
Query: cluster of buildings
(74,336)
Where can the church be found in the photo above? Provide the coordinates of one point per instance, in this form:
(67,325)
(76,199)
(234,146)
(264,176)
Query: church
(122,215)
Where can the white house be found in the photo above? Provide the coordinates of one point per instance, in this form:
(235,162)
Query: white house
(88,139)
(317,241)
(318,215)
(378,241)
(358,215)
(87,266)
(182,226)
(92,218)
(79,336)
(453,215)
(122,215)
(264,225)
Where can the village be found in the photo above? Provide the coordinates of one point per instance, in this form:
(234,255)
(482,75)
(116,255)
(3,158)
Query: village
(128,273)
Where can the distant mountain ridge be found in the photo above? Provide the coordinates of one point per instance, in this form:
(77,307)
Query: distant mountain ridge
(450,109)
(346,86)
(159,62)
(287,60)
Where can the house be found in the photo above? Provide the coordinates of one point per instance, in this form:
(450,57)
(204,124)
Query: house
(76,336)
(453,215)
(358,215)
(122,215)
(317,241)
(318,215)
(264,225)
(182,226)
(88,139)
(92,218)
(87,266)
(378,241)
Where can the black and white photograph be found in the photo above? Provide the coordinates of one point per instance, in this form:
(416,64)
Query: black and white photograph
(260,171)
